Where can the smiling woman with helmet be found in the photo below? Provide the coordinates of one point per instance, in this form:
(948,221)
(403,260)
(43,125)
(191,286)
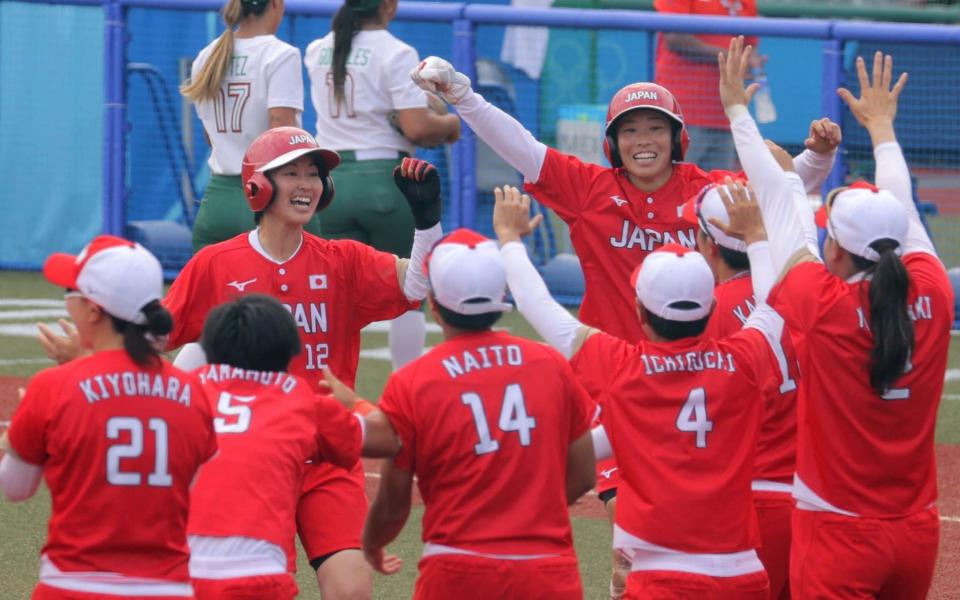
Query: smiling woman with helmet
(333,288)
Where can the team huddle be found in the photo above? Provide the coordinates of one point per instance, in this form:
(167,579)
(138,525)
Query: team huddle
(697,389)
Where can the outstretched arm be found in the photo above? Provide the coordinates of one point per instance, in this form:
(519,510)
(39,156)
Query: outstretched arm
(511,221)
(769,180)
(386,518)
(379,438)
(508,138)
(876,110)
(814,164)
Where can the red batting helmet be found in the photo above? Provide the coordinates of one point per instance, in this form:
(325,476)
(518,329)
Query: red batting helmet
(644,95)
(275,148)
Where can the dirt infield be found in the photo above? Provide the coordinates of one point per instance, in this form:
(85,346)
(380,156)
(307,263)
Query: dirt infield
(946,583)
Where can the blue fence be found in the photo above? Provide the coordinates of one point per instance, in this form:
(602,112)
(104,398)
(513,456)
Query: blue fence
(150,165)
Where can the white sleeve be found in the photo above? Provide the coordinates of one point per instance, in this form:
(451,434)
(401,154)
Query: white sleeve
(554,324)
(601,443)
(505,135)
(892,174)
(762,274)
(813,168)
(768,322)
(19,479)
(772,186)
(190,357)
(415,282)
(285,81)
(804,213)
(404,93)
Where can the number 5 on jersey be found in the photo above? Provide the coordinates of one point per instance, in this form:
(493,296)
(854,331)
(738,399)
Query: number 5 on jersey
(513,417)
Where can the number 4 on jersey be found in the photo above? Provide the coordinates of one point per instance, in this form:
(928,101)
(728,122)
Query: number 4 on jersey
(693,416)
(513,417)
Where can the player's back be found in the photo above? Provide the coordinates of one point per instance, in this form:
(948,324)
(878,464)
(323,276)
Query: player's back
(683,419)
(122,445)
(269,424)
(491,417)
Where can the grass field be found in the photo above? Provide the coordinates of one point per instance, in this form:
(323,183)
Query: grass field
(25,299)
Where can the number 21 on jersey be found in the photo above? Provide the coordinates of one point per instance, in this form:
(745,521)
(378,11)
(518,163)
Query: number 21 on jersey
(513,417)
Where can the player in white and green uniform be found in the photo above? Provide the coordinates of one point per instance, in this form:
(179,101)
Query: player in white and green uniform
(358,86)
(243,83)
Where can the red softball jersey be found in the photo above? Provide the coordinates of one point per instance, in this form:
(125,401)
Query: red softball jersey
(486,420)
(694,83)
(119,445)
(861,452)
(683,418)
(777,448)
(613,226)
(268,426)
(333,288)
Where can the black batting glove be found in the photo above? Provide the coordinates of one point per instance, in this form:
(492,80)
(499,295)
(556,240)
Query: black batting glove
(420,184)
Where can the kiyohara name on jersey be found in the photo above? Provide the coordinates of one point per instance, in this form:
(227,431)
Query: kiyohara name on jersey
(632,235)
(695,361)
(482,357)
(135,383)
(224,373)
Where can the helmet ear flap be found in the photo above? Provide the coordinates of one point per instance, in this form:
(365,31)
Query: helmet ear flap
(611,151)
(259,191)
(328,192)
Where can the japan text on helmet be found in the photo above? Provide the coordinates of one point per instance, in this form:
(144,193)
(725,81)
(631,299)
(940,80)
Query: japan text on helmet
(650,96)
(275,148)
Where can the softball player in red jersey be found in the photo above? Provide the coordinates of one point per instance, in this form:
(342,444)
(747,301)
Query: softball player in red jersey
(616,215)
(684,512)
(118,435)
(496,430)
(333,288)
(269,424)
(880,306)
(775,461)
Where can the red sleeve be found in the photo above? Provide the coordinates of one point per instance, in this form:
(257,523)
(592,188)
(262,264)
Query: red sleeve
(28,428)
(581,414)
(804,293)
(206,409)
(377,292)
(564,183)
(189,301)
(339,434)
(396,405)
(595,360)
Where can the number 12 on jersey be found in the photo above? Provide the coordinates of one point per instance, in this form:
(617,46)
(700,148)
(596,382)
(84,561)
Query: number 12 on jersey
(513,417)
(693,416)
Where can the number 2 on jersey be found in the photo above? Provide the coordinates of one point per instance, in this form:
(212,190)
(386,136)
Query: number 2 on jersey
(513,417)
(116,426)
(693,416)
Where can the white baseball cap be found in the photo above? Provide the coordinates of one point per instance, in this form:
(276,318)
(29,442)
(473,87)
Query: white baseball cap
(466,274)
(118,275)
(708,205)
(671,275)
(861,214)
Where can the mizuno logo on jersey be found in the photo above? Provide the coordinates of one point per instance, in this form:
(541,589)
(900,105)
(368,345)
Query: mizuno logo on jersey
(318,282)
(241,285)
(606,473)
(620,201)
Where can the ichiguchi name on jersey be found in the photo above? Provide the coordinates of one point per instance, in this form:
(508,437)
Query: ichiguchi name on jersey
(129,383)
(688,362)
(482,357)
(632,235)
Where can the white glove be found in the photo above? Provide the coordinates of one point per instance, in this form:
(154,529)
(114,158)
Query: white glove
(436,75)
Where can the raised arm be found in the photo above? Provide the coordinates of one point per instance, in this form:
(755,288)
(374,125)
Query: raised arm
(876,110)
(511,221)
(419,182)
(814,164)
(500,131)
(769,180)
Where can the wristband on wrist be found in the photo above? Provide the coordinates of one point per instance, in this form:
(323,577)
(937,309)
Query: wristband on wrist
(363,407)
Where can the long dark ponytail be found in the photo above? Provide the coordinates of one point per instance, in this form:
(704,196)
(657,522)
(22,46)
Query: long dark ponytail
(143,342)
(893,335)
(346,23)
